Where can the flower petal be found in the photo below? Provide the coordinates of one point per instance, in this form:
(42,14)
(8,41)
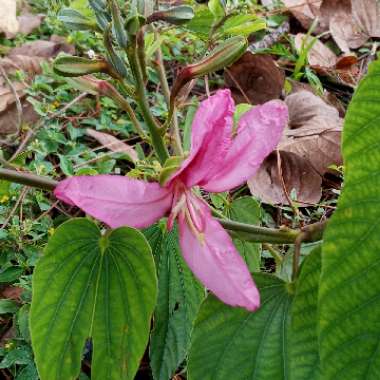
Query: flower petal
(116,200)
(211,137)
(259,132)
(216,263)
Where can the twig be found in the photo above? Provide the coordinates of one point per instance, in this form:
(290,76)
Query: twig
(310,233)
(175,134)
(17,98)
(69,105)
(289,200)
(236,83)
(15,207)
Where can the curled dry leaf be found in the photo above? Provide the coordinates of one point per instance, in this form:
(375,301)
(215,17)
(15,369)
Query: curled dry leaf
(305,11)
(310,144)
(297,174)
(112,143)
(352,22)
(8,19)
(254,79)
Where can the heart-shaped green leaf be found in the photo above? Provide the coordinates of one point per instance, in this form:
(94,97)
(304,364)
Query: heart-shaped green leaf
(304,354)
(89,285)
(232,343)
(349,299)
(179,298)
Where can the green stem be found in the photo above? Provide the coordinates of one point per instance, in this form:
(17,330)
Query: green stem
(28,179)
(242,231)
(258,234)
(176,136)
(153,126)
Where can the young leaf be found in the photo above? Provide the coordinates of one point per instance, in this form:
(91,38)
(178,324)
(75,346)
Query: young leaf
(89,285)
(303,341)
(179,298)
(232,343)
(349,302)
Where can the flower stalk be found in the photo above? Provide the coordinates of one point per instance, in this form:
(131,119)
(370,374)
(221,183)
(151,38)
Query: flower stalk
(141,99)
(242,231)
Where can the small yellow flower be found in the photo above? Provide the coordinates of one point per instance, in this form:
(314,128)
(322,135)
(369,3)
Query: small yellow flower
(56,104)
(51,231)
(9,345)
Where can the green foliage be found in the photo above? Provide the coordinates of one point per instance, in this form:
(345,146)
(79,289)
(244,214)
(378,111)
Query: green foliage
(89,285)
(247,210)
(179,298)
(232,343)
(349,303)
(303,337)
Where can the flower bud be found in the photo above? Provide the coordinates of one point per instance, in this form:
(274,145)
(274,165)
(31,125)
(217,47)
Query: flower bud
(176,15)
(71,66)
(222,56)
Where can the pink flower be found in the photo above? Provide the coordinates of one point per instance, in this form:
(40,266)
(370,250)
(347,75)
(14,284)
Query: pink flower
(221,158)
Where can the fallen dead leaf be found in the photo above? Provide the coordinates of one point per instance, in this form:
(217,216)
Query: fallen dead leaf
(309,146)
(367,15)
(12,292)
(41,48)
(305,11)
(353,21)
(31,65)
(29,22)
(8,19)
(112,143)
(254,79)
(9,117)
(298,176)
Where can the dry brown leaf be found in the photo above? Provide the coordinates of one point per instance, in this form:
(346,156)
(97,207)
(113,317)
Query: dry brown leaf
(309,111)
(344,27)
(8,19)
(314,131)
(319,54)
(41,48)
(31,65)
(310,144)
(254,79)
(305,11)
(12,292)
(367,15)
(297,174)
(112,143)
(7,95)
(9,117)
(29,22)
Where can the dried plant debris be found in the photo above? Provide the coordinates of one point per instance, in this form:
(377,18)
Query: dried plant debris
(309,147)
(254,79)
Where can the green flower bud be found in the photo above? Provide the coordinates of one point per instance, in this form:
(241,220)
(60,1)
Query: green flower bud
(176,15)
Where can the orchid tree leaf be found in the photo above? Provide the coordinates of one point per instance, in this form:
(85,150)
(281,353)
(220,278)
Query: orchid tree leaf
(89,285)
(179,298)
(349,301)
(303,337)
(232,343)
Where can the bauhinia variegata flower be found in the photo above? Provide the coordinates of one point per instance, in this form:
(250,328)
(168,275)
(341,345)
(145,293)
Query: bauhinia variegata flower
(221,158)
